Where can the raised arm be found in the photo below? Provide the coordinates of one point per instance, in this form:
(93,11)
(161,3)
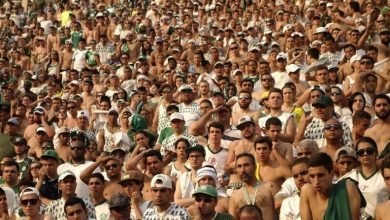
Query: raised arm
(86,174)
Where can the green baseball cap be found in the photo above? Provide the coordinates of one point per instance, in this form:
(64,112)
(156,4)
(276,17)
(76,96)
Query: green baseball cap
(323,100)
(206,190)
(50,154)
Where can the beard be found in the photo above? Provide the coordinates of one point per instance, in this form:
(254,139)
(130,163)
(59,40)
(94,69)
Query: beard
(383,114)
(245,177)
(244,106)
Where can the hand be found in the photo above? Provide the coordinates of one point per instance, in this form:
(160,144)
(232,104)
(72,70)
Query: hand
(231,102)
(42,173)
(103,159)
(135,198)
(308,119)
(43,118)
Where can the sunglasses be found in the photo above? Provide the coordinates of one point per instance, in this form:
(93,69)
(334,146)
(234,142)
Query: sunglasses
(244,98)
(76,148)
(29,201)
(369,151)
(365,63)
(329,127)
(205,199)
(112,166)
(336,93)
(71,107)
(119,208)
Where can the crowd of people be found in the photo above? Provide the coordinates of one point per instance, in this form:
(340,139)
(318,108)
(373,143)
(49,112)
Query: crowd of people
(207,110)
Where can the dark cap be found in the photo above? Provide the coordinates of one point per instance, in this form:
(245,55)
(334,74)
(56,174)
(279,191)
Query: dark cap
(119,200)
(20,141)
(323,100)
(50,154)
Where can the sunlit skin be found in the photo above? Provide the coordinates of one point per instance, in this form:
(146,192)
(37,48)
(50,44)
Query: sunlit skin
(321,179)
(76,212)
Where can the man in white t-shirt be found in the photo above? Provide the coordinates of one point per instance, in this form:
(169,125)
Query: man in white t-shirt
(280,76)
(79,56)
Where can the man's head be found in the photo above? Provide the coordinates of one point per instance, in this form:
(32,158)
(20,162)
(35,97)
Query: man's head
(206,199)
(196,156)
(323,107)
(96,185)
(30,202)
(300,172)
(215,130)
(275,99)
(321,172)
(246,167)
(119,206)
(361,122)
(162,189)
(154,162)
(50,162)
(177,122)
(244,99)
(263,148)
(207,175)
(273,126)
(333,130)
(20,146)
(385,170)
(75,209)
(113,168)
(132,182)
(10,172)
(247,126)
(250,212)
(67,184)
(381,104)
(345,159)
(186,94)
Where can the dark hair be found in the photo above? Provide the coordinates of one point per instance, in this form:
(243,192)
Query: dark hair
(74,201)
(321,159)
(368,58)
(249,155)
(314,53)
(251,209)
(2,192)
(11,163)
(371,47)
(301,160)
(359,115)
(99,176)
(216,124)
(367,140)
(163,86)
(171,108)
(380,96)
(349,45)
(182,140)
(275,90)
(354,6)
(207,101)
(247,80)
(142,132)
(385,164)
(273,121)
(263,140)
(153,153)
(352,97)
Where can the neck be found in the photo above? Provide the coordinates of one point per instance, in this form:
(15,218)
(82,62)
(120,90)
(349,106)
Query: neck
(78,160)
(276,112)
(209,216)
(163,207)
(115,179)
(252,182)
(20,156)
(98,199)
(264,162)
(215,146)
(333,144)
(368,171)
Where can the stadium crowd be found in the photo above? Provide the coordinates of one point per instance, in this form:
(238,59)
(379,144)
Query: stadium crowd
(203,109)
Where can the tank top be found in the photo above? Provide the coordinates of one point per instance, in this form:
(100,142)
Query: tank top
(108,139)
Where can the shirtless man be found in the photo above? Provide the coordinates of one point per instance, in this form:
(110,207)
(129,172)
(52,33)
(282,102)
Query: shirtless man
(246,145)
(268,169)
(381,105)
(111,29)
(88,98)
(314,202)
(282,152)
(63,148)
(89,33)
(71,120)
(253,191)
(101,27)
(113,170)
(244,101)
(333,132)
(66,56)
(381,212)
(53,40)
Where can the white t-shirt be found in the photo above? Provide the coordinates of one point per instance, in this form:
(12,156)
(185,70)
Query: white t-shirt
(290,208)
(280,78)
(102,211)
(78,59)
(217,159)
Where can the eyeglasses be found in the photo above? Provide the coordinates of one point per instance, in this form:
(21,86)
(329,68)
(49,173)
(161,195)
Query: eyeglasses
(76,148)
(35,167)
(29,201)
(329,127)
(205,199)
(71,107)
(244,98)
(233,48)
(303,173)
(336,93)
(365,63)
(112,166)
(369,151)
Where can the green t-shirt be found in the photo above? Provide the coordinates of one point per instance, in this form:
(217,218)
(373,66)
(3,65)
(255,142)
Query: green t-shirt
(90,57)
(75,38)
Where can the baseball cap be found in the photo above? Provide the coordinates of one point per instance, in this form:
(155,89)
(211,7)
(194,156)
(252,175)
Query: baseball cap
(321,30)
(235,72)
(39,129)
(74,82)
(66,174)
(119,200)
(186,88)
(13,121)
(244,120)
(196,147)
(39,110)
(131,175)
(161,181)
(206,190)
(50,154)
(281,56)
(83,113)
(20,141)
(323,100)
(356,57)
(176,115)
(345,152)
(63,130)
(218,64)
(292,68)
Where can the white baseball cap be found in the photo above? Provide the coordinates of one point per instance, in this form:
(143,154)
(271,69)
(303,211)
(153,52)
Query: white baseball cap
(161,181)
(176,115)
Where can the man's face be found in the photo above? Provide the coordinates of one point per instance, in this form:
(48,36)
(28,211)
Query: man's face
(77,148)
(51,166)
(263,151)
(3,203)
(96,186)
(275,100)
(187,96)
(382,108)
(267,81)
(320,178)
(207,180)
(154,165)
(361,126)
(386,177)
(370,84)
(215,134)
(323,112)
(204,108)
(248,130)
(30,204)
(177,125)
(244,100)
(245,169)
(19,149)
(300,174)
(206,204)
(161,196)
(304,152)
(76,212)
(345,164)
(68,185)
(10,174)
(333,130)
(322,76)
(141,139)
(274,132)
(247,86)
(196,159)
(113,169)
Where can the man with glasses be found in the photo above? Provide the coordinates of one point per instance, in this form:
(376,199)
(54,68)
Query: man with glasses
(67,186)
(333,134)
(244,101)
(265,84)
(77,163)
(162,192)
(47,183)
(206,199)
(113,173)
(71,120)
(30,204)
